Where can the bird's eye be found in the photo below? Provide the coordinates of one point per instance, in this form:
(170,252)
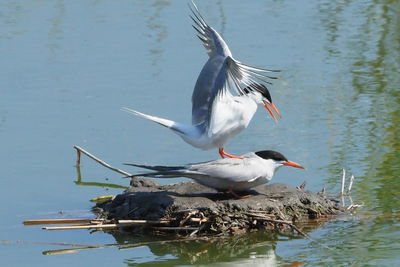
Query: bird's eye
(267,95)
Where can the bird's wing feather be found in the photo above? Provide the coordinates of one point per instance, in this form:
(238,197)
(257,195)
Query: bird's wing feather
(210,38)
(212,83)
(162,171)
(156,167)
(242,75)
(244,78)
(229,169)
(232,76)
(221,73)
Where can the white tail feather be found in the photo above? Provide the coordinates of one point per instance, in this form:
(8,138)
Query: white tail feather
(161,121)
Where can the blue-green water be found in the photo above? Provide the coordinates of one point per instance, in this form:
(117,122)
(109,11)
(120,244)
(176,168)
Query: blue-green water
(67,67)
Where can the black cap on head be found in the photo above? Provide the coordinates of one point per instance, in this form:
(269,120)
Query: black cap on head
(264,92)
(262,89)
(270,154)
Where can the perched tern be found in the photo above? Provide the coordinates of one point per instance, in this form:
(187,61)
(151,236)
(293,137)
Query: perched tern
(217,114)
(228,174)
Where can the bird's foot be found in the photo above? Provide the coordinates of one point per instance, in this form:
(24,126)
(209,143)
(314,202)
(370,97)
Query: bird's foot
(222,153)
(230,191)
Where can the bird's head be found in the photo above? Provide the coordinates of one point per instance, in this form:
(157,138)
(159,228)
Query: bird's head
(261,95)
(276,159)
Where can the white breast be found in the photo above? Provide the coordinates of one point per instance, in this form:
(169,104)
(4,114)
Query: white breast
(230,115)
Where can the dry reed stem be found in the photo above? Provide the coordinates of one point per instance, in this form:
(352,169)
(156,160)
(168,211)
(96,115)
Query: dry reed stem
(102,162)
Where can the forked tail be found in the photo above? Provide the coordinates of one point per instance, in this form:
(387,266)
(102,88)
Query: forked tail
(161,121)
(177,127)
(160,171)
(189,133)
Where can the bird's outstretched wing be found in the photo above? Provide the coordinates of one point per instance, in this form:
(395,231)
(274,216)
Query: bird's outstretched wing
(222,72)
(210,38)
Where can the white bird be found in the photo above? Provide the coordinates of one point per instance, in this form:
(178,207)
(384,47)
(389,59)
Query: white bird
(217,115)
(228,174)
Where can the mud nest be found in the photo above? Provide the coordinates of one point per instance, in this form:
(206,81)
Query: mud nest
(189,208)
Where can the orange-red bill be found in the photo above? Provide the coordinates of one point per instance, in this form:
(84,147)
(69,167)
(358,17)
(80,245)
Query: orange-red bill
(270,112)
(276,110)
(293,164)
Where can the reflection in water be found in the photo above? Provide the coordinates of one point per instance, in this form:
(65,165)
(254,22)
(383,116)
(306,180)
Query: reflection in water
(223,18)
(158,32)
(369,129)
(79,181)
(10,14)
(56,30)
(376,100)
(332,21)
(372,79)
(215,250)
(256,248)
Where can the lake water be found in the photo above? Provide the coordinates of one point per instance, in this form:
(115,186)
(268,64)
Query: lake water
(67,67)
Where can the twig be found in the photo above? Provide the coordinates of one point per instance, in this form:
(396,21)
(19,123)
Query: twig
(91,226)
(343,201)
(187,217)
(119,246)
(323,191)
(260,214)
(263,212)
(299,231)
(105,164)
(199,220)
(78,157)
(197,230)
(302,186)
(61,221)
(343,181)
(355,206)
(176,228)
(161,221)
(294,227)
(283,217)
(350,184)
(120,223)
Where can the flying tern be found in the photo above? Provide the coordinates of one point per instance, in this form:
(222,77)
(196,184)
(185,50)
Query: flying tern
(228,174)
(217,114)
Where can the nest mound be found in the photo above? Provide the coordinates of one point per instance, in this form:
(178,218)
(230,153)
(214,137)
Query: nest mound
(191,208)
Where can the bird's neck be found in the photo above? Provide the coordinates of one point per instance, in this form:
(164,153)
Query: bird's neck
(256,97)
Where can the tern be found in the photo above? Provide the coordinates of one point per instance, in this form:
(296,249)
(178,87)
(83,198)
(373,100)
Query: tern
(227,174)
(217,114)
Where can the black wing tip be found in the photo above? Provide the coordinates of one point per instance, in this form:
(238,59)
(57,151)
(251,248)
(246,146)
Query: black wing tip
(131,164)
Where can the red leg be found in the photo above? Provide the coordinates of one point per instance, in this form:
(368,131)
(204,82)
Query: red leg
(230,191)
(223,153)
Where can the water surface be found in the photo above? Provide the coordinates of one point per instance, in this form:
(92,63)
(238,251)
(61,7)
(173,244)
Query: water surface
(69,66)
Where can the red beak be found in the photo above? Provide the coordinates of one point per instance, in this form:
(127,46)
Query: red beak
(293,164)
(268,106)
